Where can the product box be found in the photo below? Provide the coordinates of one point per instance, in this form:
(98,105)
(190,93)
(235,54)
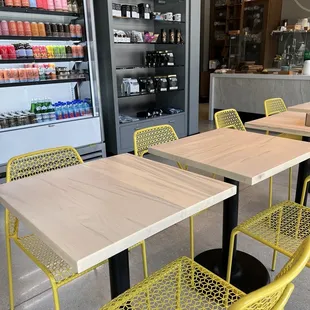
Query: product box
(116,10)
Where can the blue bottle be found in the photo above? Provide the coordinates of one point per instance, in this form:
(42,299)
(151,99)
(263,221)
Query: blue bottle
(33,3)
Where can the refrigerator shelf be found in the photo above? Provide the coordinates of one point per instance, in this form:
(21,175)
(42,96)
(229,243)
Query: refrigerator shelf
(42,82)
(36,11)
(45,60)
(24,38)
(130,67)
(145,94)
(49,123)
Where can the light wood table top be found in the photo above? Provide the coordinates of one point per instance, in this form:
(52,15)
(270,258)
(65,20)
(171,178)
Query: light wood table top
(286,122)
(304,107)
(239,155)
(91,212)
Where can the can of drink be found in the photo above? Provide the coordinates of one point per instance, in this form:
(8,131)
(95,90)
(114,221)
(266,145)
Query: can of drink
(50,51)
(34,29)
(22,75)
(5,28)
(27,29)
(12,28)
(50,5)
(8,2)
(42,32)
(67,30)
(1,76)
(17,3)
(72,31)
(62,51)
(74,51)
(61,30)
(69,51)
(78,31)
(20,28)
(80,51)
(48,30)
(56,51)
(25,3)
(54,30)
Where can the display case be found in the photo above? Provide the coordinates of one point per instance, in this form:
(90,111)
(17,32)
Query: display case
(144,50)
(292,47)
(49,82)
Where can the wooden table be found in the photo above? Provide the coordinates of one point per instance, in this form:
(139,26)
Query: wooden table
(304,107)
(96,211)
(238,156)
(290,123)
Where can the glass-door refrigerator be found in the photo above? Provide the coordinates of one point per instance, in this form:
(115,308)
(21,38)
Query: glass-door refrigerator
(49,81)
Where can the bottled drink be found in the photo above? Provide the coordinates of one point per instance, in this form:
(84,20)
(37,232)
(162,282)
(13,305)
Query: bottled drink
(12,28)
(69,5)
(44,4)
(34,29)
(29,51)
(70,110)
(40,4)
(64,4)
(41,28)
(74,6)
(33,106)
(58,5)
(8,2)
(27,29)
(25,3)
(33,3)
(50,5)
(17,3)
(20,28)
(5,28)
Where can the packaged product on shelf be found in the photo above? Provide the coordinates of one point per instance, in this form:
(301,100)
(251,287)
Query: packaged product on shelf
(6,76)
(142,83)
(150,87)
(64,5)
(136,36)
(78,31)
(5,28)
(75,7)
(33,4)
(29,52)
(22,74)
(126,12)
(12,28)
(40,4)
(17,3)
(116,10)
(61,30)
(75,52)
(42,32)
(27,29)
(25,3)
(20,50)
(54,30)
(34,29)
(67,30)
(20,28)
(72,31)
(8,2)
(134,11)
(69,51)
(0,30)
(161,83)
(50,51)
(79,51)
(144,10)
(58,5)
(172,82)
(2,76)
(48,29)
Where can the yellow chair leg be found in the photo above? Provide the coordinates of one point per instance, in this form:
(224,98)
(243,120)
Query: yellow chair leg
(230,256)
(192,242)
(55,295)
(143,249)
(274,260)
(290,184)
(10,275)
(270,192)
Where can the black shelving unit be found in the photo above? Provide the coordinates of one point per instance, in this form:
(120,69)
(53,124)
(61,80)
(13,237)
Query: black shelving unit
(59,81)
(149,94)
(37,11)
(26,60)
(149,20)
(155,43)
(24,38)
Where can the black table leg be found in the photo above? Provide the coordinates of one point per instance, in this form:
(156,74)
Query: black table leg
(303,173)
(248,273)
(119,273)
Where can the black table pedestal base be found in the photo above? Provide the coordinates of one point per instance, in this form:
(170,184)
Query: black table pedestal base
(248,273)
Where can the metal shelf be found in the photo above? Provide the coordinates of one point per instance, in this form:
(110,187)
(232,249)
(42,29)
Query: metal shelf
(148,43)
(37,11)
(149,20)
(42,82)
(145,67)
(24,38)
(145,94)
(33,60)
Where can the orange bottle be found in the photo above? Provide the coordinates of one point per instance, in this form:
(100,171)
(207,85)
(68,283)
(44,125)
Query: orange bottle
(17,3)
(34,29)
(20,28)
(27,29)
(41,28)
(12,28)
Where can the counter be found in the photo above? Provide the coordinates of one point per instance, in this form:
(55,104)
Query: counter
(247,92)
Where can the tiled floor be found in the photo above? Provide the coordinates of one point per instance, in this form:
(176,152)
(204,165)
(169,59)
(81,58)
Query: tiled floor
(32,289)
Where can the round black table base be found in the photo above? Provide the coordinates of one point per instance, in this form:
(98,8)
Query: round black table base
(249,274)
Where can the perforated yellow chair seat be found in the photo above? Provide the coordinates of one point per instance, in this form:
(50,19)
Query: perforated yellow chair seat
(282,227)
(183,284)
(55,265)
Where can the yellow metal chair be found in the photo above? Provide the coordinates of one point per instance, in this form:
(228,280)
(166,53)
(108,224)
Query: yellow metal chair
(228,118)
(150,136)
(56,269)
(184,284)
(276,106)
(282,227)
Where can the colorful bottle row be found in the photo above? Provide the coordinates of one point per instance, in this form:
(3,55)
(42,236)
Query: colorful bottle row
(30,73)
(26,51)
(50,5)
(27,29)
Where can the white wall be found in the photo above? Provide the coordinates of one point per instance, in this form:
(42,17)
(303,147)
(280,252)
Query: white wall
(291,11)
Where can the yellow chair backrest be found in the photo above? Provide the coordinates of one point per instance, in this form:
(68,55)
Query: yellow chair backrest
(228,119)
(274,296)
(150,136)
(274,106)
(33,163)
